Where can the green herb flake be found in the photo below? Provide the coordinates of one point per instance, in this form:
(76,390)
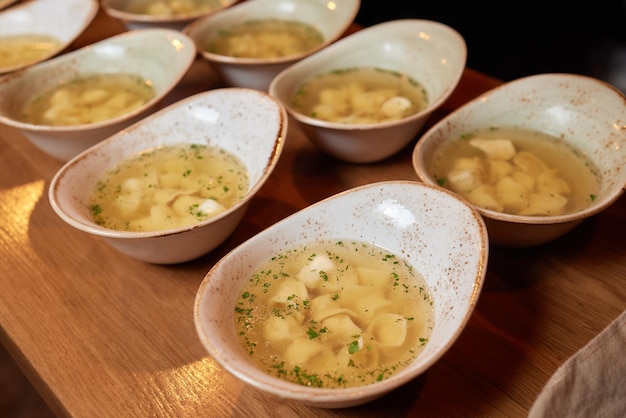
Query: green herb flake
(96,210)
(381,376)
(313,333)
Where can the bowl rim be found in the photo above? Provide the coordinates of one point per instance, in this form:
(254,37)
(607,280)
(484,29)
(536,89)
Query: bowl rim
(597,207)
(109,7)
(92,228)
(91,9)
(246,62)
(61,60)
(338,126)
(350,395)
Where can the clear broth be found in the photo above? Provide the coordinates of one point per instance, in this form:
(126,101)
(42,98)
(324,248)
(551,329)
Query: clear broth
(269,38)
(334,314)
(88,99)
(358,96)
(570,164)
(167,187)
(26,49)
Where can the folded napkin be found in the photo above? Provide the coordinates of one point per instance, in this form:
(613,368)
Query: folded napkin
(591,383)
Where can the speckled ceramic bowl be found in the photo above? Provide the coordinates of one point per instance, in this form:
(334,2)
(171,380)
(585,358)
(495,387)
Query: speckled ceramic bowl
(246,123)
(428,52)
(331,19)
(63,20)
(159,56)
(584,112)
(440,235)
(132,20)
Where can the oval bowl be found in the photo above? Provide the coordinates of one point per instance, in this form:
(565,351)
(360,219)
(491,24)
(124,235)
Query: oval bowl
(64,20)
(584,112)
(429,52)
(160,56)
(257,73)
(247,123)
(118,9)
(439,234)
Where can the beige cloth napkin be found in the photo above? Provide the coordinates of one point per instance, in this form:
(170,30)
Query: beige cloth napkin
(591,383)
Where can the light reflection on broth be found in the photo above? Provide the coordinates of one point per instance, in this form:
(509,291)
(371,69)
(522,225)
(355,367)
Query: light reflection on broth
(269,38)
(516,171)
(360,96)
(88,99)
(334,314)
(16,50)
(168,187)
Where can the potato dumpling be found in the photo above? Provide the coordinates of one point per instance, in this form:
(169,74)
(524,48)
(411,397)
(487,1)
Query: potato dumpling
(360,96)
(515,177)
(26,49)
(516,171)
(357,104)
(90,99)
(265,38)
(168,187)
(347,313)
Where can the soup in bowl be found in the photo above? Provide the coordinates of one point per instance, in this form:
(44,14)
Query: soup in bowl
(69,103)
(175,185)
(168,14)
(251,42)
(536,156)
(365,97)
(349,298)
(35,31)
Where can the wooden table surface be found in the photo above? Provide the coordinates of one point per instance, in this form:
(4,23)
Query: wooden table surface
(103,335)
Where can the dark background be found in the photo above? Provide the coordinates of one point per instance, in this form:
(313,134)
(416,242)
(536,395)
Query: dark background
(512,39)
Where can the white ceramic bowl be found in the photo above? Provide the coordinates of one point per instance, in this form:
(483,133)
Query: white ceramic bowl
(246,123)
(64,20)
(131,20)
(160,56)
(431,53)
(440,235)
(585,112)
(332,19)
